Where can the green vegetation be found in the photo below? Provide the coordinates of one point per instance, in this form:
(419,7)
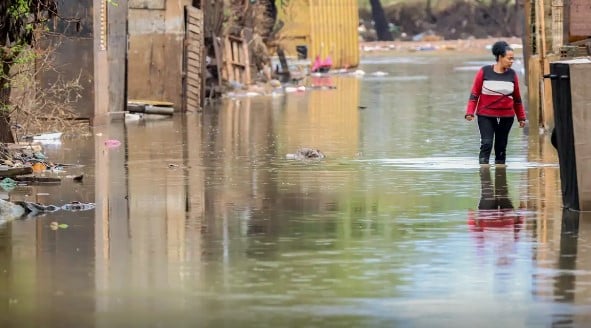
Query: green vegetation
(20,24)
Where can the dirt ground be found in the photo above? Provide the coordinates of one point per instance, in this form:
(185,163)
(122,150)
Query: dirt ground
(456,20)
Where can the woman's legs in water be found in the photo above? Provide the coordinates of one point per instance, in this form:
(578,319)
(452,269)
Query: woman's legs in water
(486,125)
(494,131)
(502,129)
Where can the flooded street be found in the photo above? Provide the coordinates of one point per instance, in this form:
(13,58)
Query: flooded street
(201,221)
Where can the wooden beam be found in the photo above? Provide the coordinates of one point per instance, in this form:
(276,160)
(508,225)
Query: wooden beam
(547,118)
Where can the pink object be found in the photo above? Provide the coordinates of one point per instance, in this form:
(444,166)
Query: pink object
(317,64)
(112,143)
(327,62)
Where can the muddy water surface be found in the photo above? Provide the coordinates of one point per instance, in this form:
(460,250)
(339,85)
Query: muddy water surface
(202,222)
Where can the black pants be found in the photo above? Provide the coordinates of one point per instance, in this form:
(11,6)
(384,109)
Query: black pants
(495,131)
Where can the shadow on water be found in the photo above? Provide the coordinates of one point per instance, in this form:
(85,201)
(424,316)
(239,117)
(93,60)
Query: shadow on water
(201,220)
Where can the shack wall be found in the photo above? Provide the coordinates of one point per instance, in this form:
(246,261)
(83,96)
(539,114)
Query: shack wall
(156,34)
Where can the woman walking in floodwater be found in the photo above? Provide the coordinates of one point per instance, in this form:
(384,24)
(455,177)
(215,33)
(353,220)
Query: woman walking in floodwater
(496,100)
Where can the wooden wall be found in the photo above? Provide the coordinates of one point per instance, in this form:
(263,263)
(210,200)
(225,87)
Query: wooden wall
(155,50)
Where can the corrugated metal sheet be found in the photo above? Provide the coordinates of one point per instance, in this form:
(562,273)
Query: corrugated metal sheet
(326,27)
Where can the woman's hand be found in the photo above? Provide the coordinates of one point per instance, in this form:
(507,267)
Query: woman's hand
(469,117)
(521,124)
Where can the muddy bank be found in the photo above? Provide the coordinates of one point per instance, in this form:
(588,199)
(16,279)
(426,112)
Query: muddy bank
(459,20)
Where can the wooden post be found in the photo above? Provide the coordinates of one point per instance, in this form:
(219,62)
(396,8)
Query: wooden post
(246,38)
(229,54)
(101,64)
(527,41)
(557,25)
(547,118)
(117,56)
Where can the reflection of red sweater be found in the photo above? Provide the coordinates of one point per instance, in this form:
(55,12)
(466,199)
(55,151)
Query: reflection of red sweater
(495,95)
(483,219)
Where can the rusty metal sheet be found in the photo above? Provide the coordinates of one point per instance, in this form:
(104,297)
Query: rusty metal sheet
(580,24)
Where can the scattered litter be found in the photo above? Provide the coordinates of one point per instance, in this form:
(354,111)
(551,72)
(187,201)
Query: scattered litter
(78,206)
(306,153)
(150,107)
(33,209)
(39,167)
(56,225)
(8,184)
(112,143)
(48,136)
(132,117)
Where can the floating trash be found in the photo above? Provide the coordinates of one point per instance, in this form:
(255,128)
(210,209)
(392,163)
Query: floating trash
(8,184)
(56,225)
(78,206)
(112,143)
(48,136)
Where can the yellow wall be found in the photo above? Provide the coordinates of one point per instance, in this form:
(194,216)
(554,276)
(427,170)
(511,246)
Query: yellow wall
(325,26)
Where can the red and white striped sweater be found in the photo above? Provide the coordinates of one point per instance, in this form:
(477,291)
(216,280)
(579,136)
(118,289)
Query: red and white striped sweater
(495,94)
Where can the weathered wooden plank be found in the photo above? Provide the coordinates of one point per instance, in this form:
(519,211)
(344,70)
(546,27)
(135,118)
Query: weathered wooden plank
(193,58)
(147,4)
(195,29)
(12,172)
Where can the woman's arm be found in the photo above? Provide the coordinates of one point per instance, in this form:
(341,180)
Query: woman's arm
(475,94)
(517,103)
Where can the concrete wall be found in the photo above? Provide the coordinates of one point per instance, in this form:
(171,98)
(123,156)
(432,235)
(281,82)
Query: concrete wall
(156,49)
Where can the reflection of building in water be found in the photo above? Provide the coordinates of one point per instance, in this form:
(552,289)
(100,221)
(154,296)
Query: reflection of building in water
(566,278)
(149,212)
(330,118)
(543,187)
(542,195)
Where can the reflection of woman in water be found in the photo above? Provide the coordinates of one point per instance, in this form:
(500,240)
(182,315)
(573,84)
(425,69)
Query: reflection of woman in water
(495,224)
(495,209)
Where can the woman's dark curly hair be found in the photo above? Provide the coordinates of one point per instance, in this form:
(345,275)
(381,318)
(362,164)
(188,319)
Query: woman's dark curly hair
(500,48)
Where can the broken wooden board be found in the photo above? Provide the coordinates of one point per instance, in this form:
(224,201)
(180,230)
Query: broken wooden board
(16,171)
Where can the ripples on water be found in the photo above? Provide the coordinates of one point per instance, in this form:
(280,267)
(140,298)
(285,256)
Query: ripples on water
(201,220)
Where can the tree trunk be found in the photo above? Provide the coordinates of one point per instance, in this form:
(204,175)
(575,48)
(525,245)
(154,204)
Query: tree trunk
(5,131)
(381,23)
(429,11)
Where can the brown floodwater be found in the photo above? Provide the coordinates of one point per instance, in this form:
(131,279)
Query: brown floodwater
(201,221)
